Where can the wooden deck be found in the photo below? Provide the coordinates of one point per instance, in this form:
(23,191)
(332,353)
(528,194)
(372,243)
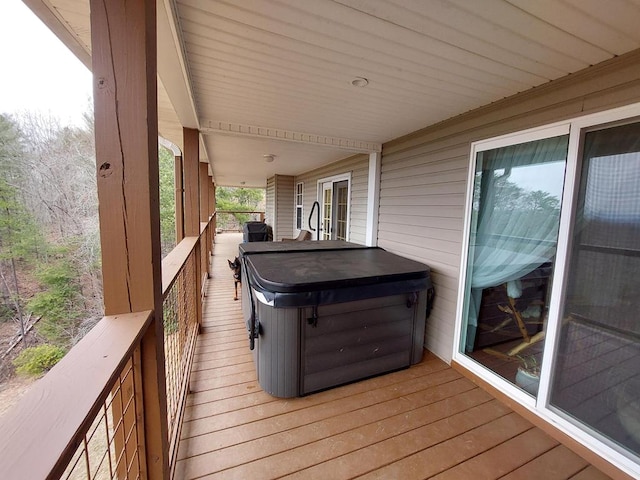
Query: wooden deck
(423,422)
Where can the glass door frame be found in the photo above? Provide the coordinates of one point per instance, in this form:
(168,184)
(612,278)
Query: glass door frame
(328,183)
(540,405)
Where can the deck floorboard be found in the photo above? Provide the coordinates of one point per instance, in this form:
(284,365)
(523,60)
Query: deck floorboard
(426,421)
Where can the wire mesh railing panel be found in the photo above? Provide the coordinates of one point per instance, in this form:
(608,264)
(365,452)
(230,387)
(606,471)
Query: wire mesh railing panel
(180,330)
(204,264)
(111,447)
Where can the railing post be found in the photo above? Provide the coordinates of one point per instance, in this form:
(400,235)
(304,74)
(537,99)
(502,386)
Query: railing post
(123,39)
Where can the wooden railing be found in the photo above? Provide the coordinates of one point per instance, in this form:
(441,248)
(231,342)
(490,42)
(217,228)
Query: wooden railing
(85,418)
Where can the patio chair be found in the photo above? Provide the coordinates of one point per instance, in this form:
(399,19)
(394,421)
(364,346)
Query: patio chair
(302,236)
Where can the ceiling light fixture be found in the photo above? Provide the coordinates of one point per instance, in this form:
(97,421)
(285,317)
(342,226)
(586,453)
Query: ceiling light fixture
(268,158)
(359,82)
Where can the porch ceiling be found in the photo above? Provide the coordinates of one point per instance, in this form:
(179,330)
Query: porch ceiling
(249,73)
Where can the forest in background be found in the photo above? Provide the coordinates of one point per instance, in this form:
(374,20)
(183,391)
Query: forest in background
(50,263)
(50,275)
(50,288)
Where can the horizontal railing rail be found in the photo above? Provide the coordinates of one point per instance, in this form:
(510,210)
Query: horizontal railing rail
(81,419)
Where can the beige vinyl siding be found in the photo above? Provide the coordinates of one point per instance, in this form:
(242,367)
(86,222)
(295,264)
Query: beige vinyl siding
(270,203)
(358,166)
(285,207)
(424,175)
(279,210)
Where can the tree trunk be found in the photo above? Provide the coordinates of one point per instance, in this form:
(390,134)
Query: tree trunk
(15,298)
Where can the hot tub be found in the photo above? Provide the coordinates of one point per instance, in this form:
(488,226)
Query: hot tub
(330,312)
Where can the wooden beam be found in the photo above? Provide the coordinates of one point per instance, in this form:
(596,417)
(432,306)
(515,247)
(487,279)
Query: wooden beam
(191,162)
(179,200)
(123,38)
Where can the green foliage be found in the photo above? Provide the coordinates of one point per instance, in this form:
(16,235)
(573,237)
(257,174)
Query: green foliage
(35,361)
(19,237)
(59,305)
(234,199)
(171,322)
(11,148)
(238,199)
(48,219)
(6,312)
(167,200)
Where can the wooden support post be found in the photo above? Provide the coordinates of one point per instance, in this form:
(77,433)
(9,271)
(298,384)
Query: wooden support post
(191,168)
(191,182)
(213,211)
(204,192)
(123,38)
(204,215)
(211,196)
(212,208)
(179,200)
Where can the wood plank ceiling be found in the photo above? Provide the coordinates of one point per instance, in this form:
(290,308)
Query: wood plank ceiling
(287,67)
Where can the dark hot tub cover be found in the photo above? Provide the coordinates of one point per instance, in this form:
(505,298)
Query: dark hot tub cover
(329,274)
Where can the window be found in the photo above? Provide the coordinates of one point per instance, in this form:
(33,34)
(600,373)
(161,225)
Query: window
(299,200)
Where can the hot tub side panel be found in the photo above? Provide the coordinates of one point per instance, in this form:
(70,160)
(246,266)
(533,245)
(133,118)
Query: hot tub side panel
(420,327)
(356,340)
(277,351)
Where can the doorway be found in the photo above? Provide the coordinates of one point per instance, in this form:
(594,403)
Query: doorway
(335,208)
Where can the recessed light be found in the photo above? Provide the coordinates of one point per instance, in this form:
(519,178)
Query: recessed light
(359,82)
(268,158)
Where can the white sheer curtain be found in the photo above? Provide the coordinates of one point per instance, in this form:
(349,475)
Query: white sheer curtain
(512,234)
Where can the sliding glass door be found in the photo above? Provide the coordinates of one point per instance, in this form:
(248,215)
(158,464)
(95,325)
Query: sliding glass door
(596,377)
(515,216)
(549,306)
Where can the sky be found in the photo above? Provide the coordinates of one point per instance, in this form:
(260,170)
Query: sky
(38,72)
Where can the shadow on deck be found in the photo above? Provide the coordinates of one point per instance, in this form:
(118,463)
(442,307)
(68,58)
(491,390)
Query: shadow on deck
(427,421)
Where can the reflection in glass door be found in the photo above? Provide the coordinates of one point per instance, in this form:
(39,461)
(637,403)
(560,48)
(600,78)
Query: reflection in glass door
(596,378)
(512,245)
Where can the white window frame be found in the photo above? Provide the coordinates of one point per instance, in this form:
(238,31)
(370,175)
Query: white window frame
(299,205)
(540,406)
